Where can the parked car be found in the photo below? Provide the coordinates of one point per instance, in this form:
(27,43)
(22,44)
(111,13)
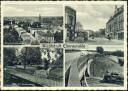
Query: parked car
(82,53)
(112,77)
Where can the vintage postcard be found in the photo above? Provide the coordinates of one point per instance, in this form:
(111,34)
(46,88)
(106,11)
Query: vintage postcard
(63,45)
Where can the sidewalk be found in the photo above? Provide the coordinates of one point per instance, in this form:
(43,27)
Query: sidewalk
(104,41)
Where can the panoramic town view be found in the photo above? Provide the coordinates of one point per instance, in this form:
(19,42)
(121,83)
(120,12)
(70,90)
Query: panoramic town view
(33,66)
(94,24)
(102,67)
(39,27)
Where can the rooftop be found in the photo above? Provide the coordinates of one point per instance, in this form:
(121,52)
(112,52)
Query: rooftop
(45,34)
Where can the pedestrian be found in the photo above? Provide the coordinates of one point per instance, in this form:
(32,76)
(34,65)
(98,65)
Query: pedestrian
(109,38)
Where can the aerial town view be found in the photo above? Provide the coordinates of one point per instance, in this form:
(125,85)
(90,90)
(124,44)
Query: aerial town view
(102,67)
(22,27)
(94,24)
(33,66)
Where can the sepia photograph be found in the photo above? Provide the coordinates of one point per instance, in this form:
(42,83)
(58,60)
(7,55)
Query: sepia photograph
(32,67)
(94,24)
(99,67)
(32,24)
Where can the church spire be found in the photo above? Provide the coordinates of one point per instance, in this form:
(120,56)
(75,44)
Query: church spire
(39,17)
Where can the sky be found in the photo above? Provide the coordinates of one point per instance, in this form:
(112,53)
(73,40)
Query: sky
(32,10)
(92,16)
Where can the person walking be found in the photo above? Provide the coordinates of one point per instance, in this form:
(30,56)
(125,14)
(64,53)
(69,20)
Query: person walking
(109,38)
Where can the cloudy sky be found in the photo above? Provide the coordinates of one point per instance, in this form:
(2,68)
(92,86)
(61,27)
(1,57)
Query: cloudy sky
(32,10)
(93,17)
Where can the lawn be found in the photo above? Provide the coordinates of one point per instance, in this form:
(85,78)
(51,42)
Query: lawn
(57,74)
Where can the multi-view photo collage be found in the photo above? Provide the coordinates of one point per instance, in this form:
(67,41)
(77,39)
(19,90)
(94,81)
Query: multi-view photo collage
(26,28)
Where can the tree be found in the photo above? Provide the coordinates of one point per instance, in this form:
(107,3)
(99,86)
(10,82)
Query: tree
(58,36)
(118,53)
(36,25)
(102,32)
(11,36)
(59,61)
(9,56)
(7,22)
(47,58)
(100,50)
(30,56)
(26,25)
(121,62)
(46,63)
(20,24)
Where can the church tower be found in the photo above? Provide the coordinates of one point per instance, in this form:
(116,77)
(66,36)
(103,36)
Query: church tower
(39,18)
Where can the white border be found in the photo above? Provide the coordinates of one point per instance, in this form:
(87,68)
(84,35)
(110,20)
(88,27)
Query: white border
(75,3)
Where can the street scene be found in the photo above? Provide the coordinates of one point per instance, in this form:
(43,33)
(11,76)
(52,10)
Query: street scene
(32,25)
(32,66)
(102,67)
(91,24)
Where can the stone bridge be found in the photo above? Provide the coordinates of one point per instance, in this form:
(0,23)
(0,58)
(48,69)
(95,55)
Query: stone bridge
(91,68)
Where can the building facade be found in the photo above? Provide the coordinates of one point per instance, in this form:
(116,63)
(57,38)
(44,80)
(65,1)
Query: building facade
(70,22)
(43,37)
(90,33)
(102,32)
(114,26)
(25,38)
(83,34)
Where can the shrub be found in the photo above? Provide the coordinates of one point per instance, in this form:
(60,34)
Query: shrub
(118,53)
(79,40)
(35,42)
(100,50)
(39,67)
(121,62)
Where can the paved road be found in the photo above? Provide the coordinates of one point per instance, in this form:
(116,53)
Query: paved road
(101,41)
(74,79)
(69,58)
(104,41)
(95,82)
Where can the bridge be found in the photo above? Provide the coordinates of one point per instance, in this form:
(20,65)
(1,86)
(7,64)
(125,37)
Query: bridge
(91,69)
